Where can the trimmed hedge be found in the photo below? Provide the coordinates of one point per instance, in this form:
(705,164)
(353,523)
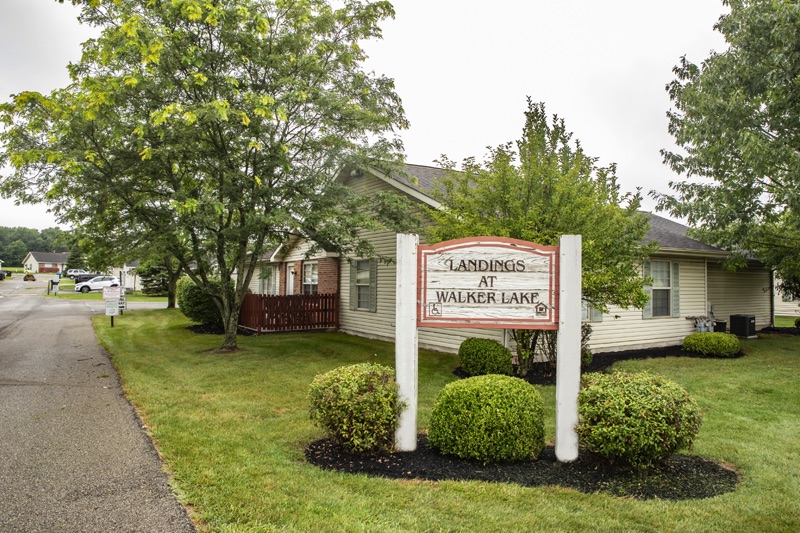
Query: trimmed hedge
(712,343)
(635,419)
(484,356)
(197,304)
(358,405)
(488,418)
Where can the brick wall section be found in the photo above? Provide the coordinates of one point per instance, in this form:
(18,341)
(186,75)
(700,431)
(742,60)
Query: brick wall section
(298,277)
(282,280)
(328,275)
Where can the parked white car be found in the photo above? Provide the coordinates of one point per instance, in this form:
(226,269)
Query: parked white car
(73,272)
(96,284)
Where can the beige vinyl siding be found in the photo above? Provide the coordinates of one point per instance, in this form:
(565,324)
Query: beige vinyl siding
(744,292)
(381,324)
(630,331)
(254,285)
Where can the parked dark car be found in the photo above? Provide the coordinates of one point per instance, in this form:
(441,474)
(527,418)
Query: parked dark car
(2,275)
(80,278)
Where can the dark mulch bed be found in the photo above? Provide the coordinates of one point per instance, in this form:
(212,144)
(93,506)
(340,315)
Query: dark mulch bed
(679,478)
(682,477)
(542,374)
(212,329)
(781,331)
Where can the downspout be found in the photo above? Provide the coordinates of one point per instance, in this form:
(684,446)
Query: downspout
(705,287)
(772,298)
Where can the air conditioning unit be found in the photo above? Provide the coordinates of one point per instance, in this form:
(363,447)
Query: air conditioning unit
(743,325)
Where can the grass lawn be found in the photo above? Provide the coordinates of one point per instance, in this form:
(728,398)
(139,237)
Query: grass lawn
(785,321)
(232,429)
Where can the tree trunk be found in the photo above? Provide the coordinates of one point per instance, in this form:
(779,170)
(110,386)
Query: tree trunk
(172,288)
(231,306)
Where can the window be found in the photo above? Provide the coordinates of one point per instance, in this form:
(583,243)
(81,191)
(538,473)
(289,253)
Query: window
(589,313)
(660,271)
(363,285)
(269,280)
(310,278)
(664,293)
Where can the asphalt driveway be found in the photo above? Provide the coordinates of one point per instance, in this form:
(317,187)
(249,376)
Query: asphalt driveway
(73,454)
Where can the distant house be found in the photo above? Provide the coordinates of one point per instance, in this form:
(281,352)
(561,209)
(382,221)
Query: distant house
(126,273)
(689,282)
(41,262)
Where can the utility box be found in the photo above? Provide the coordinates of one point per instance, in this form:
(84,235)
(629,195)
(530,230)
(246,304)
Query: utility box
(743,325)
(720,326)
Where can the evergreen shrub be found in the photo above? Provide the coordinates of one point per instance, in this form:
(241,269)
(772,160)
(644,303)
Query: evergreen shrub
(717,344)
(484,356)
(488,418)
(635,419)
(358,405)
(197,304)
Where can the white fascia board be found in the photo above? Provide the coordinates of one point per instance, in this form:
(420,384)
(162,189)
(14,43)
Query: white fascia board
(414,193)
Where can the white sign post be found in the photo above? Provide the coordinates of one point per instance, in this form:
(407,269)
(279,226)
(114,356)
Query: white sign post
(406,344)
(490,282)
(568,348)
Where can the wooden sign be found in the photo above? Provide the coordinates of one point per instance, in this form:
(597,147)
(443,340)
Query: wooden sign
(488,282)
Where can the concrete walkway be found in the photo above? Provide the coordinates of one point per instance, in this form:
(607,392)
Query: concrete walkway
(73,454)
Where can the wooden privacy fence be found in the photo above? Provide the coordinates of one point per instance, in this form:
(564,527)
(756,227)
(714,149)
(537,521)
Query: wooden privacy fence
(261,312)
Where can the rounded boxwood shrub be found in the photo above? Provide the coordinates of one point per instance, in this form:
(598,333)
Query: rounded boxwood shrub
(712,343)
(197,304)
(358,405)
(488,418)
(635,419)
(484,356)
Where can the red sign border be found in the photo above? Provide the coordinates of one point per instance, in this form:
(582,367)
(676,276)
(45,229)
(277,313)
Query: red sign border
(424,251)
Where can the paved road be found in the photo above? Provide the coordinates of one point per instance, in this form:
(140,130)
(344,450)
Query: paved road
(73,454)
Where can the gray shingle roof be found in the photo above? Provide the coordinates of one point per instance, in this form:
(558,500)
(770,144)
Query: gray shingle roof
(670,234)
(48,257)
(667,233)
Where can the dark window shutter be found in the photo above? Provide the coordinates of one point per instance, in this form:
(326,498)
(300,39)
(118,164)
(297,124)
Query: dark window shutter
(373,286)
(647,310)
(353,288)
(676,289)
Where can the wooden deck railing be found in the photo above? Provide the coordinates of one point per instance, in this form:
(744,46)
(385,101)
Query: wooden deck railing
(289,313)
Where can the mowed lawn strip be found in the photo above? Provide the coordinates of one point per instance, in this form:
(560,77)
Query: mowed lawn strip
(232,429)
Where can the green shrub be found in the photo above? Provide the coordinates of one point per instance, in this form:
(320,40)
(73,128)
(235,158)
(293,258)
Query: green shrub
(796,320)
(358,405)
(712,343)
(635,419)
(484,356)
(197,304)
(488,418)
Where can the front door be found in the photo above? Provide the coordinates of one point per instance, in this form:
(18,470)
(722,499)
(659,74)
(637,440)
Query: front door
(290,280)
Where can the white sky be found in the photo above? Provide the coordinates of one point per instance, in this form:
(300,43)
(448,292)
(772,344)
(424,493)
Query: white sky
(463,69)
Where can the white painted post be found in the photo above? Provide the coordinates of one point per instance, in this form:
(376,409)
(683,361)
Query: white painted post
(406,349)
(568,362)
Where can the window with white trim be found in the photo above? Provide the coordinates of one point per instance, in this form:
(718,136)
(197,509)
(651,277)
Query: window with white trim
(310,278)
(662,287)
(364,285)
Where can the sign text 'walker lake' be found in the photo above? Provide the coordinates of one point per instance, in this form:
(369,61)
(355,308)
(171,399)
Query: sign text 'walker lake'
(488,282)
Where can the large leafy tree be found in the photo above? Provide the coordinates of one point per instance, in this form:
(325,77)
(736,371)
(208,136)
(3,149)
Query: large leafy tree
(213,127)
(539,188)
(736,118)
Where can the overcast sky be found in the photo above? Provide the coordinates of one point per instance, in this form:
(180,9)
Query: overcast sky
(463,69)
